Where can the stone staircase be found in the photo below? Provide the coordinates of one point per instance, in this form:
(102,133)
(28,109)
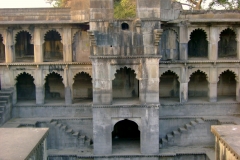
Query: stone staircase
(176,133)
(77,139)
(5,106)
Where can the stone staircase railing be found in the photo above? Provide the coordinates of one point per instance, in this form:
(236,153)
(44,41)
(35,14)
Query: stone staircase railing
(164,141)
(5,106)
(79,139)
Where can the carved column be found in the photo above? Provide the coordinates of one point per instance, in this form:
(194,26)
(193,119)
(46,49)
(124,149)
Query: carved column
(183,42)
(40,89)
(213,44)
(9,46)
(183,95)
(38,46)
(212,85)
(68,90)
(67,45)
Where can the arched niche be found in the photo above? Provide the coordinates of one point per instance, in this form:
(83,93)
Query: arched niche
(198,44)
(125,84)
(54,87)
(24,50)
(2,49)
(52,47)
(227,45)
(82,86)
(169,45)
(169,85)
(25,86)
(198,85)
(226,86)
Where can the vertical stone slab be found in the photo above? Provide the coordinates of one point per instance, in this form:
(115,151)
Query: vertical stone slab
(213,80)
(150,130)
(9,46)
(183,42)
(184,85)
(237,88)
(213,44)
(148,9)
(68,90)
(238,42)
(101,9)
(40,89)
(67,45)
(38,46)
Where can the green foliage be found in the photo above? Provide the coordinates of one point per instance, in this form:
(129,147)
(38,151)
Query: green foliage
(124,9)
(57,3)
(225,4)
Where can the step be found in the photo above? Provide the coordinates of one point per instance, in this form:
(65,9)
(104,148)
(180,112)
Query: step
(169,136)
(2,108)
(4,97)
(59,125)
(1,112)
(188,126)
(76,134)
(69,131)
(181,129)
(64,127)
(54,122)
(175,133)
(2,102)
(199,120)
(163,142)
(88,142)
(193,123)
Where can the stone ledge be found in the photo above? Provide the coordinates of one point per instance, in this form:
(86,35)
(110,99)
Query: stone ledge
(126,106)
(125,57)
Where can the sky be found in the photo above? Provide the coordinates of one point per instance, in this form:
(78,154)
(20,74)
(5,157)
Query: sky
(23,4)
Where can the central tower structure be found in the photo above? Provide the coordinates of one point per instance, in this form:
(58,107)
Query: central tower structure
(125,62)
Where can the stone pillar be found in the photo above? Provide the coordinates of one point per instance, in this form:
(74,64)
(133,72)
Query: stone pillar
(149,83)
(67,45)
(102,82)
(237,89)
(38,46)
(68,88)
(213,44)
(212,85)
(183,95)
(238,43)
(8,83)
(183,42)
(40,89)
(9,47)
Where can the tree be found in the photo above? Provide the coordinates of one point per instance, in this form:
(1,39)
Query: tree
(225,4)
(192,4)
(124,9)
(58,3)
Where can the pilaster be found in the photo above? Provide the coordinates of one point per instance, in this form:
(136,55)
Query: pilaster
(40,89)
(68,88)
(38,46)
(67,45)
(184,85)
(237,88)
(183,42)
(9,46)
(212,85)
(213,44)
(238,43)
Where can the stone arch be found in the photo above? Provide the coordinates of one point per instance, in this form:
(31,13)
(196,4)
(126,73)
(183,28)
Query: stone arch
(115,68)
(136,120)
(25,86)
(194,70)
(198,84)
(174,70)
(174,30)
(20,31)
(3,34)
(232,70)
(169,45)
(53,30)
(18,73)
(83,71)
(61,75)
(53,46)
(227,83)
(2,49)
(54,86)
(204,29)
(198,44)
(227,44)
(169,85)
(24,48)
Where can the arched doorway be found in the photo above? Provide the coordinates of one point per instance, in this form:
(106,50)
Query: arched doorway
(198,86)
(226,87)
(125,84)
(24,50)
(53,47)
(54,87)
(82,87)
(125,135)
(227,46)
(2,50)
(25,87)
(198,44)
(169,86)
